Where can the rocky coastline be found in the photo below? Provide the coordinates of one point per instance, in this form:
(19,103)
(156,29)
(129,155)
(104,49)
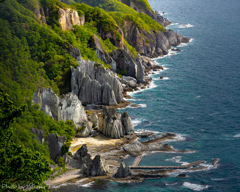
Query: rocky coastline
(104,137)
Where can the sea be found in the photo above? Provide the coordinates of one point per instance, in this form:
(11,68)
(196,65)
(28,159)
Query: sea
(199,100)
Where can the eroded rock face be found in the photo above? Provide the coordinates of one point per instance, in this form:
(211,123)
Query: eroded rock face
(95,85)
(39,12)
(68,18)
(151,44)
(69,107)
(123,171)
(115,125)
(55,144)
(101,54)
(127,124)
(125,62)
(96,167)
(82,159)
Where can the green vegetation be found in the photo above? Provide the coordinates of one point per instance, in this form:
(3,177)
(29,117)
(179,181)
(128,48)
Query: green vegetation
(34,55)
(18,165)
(143,3)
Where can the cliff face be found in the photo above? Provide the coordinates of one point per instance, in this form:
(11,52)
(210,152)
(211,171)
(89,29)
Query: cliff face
(68,18)
(95,85)
(151,44)
(114,124)
(69,107)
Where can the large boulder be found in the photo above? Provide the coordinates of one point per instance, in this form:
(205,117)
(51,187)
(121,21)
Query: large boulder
(123,171)
(96,167)
(127,124)
(81,157)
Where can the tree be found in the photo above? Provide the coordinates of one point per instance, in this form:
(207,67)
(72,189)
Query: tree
(19,167)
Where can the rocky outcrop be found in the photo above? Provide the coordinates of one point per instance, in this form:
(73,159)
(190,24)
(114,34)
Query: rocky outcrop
(123,171)
(39,134)
(69,107)
(68,18)
(82,159)
(39,12)
(55,144)
(95,167)
(115,125)
(132,66)
(101,53)
(135,148)
(95,85)
(127,124)
(151,44)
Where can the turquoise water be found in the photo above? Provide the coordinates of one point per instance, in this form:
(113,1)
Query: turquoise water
(200,100)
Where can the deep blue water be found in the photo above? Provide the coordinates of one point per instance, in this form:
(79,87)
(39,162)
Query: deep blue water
(200,101)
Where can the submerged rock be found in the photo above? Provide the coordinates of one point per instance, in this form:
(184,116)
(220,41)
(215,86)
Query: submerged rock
(123,171)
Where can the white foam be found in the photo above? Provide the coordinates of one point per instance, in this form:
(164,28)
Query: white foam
(145,130)
(152,85)
(195,187)
(88,184)
(218,179)
(171,184)
(139,105)
(58,186)
(177,159)
(185,44)
(165,78)
(136,122)
(186,26)
(237,135)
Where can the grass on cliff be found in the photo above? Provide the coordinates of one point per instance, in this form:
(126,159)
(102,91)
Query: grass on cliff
(121,12)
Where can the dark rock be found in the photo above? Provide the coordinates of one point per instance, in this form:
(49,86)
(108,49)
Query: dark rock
(123,171)
(80,157)
(161,137)
(145,134)
(182,175)
(161,77)
(40,134)
(127,124)
(55,144)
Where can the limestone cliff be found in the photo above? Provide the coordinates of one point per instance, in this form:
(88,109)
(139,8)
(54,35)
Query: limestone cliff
(68,107)
(68,18)
(95,85)
(115,125)
(151,44)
